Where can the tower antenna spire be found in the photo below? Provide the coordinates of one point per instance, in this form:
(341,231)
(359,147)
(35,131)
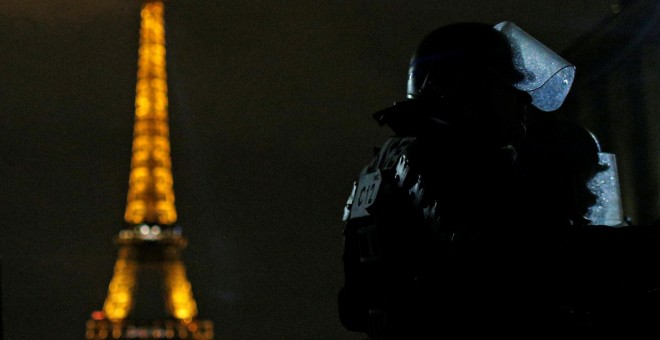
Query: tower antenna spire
(150,193)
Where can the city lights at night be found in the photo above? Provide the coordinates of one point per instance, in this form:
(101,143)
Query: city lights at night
(259,115)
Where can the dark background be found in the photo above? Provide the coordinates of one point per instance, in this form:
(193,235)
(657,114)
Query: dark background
(270,105)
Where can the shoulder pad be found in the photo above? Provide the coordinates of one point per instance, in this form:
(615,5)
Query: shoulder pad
(394,147)
(365,189)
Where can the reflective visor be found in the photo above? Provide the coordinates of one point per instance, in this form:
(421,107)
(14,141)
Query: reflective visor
(547,76)
(604,185)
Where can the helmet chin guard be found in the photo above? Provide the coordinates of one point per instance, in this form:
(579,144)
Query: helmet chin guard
(547,76)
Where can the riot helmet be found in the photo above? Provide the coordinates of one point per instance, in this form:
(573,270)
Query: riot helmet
(454,59)
(564,176)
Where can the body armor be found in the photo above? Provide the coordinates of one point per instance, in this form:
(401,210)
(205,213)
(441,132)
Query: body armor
(406,229)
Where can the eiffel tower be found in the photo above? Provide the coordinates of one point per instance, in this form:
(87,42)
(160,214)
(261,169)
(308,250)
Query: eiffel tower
(150,241)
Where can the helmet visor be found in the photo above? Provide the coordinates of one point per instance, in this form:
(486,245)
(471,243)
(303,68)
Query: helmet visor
(605,186)
(547,77)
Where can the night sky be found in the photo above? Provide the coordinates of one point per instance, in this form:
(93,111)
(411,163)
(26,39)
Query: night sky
(270,112)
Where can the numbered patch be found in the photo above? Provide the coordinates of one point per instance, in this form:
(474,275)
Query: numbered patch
(365,195)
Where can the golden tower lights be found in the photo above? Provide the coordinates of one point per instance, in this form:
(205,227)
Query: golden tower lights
(150,241)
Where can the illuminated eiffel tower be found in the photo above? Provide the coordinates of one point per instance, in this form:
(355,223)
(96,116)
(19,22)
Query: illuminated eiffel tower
(150,241)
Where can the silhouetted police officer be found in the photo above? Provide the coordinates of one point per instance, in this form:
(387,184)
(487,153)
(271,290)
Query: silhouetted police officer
(450,232)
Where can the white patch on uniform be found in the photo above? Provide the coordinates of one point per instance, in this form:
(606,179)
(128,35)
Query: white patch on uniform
(365,195)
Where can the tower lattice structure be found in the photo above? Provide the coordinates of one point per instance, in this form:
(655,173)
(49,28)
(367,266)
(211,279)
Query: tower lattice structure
(150,240)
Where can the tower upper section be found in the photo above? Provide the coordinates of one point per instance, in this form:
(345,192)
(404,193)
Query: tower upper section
(150,193)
